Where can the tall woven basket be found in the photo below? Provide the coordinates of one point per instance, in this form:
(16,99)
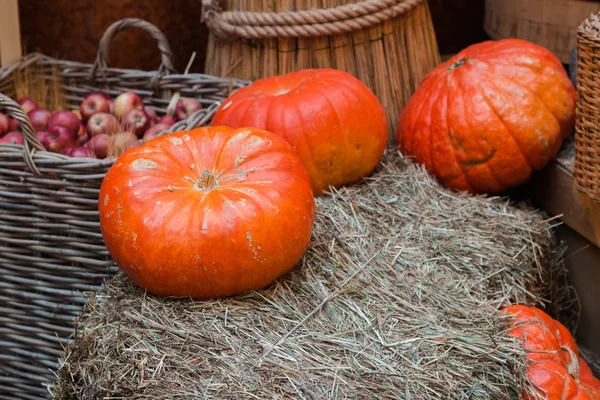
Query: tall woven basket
(51,249)
(587,126)
(390,45)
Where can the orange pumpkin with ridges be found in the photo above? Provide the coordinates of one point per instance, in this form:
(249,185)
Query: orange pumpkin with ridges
(334,122)
(489,116)
(210,212)
(555,368)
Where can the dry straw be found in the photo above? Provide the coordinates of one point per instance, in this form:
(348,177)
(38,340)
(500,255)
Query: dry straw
(389,45)
(396,298)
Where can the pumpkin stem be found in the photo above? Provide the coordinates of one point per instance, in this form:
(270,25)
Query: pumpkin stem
(457,64)
(206,182)
(573,367)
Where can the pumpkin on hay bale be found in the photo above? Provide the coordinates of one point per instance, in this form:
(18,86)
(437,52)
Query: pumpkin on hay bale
(397,296)
(556,368)
(334,122)
(233,207)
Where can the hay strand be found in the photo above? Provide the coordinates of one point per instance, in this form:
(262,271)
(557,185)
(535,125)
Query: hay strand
(396,297)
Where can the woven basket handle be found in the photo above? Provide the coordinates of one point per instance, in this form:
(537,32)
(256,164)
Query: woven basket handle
(12,109)
(102,59)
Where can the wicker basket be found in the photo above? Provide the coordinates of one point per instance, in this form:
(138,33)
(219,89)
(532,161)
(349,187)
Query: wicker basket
(587,126)
(51,249)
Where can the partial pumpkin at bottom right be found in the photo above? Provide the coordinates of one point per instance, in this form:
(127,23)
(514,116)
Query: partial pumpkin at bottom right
(484,120)
(555,370)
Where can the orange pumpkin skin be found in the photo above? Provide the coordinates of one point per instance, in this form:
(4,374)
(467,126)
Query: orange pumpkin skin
(334,122)
(206,213)
(549,347)
(489,116)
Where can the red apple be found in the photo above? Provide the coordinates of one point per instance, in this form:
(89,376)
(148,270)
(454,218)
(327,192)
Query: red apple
(127,101)
(82,140)
(13,125)
(102,123)
(58,138)
(4,124)
(27,104)
(99,145)
(93,104)
(111,106)
(2,140)
(80,152)
(66,119)
(186,107)
(65,151)
(41,135)
(151,113)
(14,137)
(153,131)
(97,92)
(166,120)
(39,118)
(136,121)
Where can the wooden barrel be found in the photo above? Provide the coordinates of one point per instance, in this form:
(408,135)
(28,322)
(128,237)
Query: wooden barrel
(391,57)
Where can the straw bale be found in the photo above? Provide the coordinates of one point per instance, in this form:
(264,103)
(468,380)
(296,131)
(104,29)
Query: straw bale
(396,298)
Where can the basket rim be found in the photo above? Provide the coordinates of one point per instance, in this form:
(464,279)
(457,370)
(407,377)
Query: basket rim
(45,157)
(34,57)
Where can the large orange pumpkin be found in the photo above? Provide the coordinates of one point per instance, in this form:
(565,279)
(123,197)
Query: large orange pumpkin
(489,116)
(209,212)
(555,368)
(334,122)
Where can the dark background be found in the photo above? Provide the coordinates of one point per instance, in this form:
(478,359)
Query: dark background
(71,29)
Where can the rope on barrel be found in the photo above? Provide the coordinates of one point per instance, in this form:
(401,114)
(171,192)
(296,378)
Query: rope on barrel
(303,23)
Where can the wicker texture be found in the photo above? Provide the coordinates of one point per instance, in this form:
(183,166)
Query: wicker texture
(51,248)
(587,126)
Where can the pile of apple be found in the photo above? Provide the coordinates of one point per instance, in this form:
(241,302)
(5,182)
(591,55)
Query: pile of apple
(100,124)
